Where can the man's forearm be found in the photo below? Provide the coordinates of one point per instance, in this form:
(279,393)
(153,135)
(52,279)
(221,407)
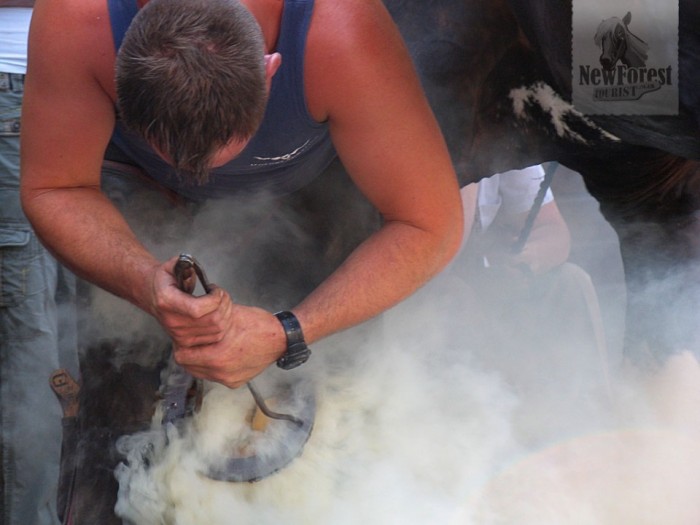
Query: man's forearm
(81,227)
(385,269)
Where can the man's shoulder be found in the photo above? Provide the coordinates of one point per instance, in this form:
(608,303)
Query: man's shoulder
(77,16)
(354,48)
(351,19)
(16,3)
(73,37)
(74,8)
(73,18)
(351,32)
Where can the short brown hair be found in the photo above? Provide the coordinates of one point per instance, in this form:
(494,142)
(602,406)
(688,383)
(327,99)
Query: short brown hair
(190,77)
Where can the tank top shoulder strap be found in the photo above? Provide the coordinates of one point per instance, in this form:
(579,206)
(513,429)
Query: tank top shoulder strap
(288,83)
(296,15)
(121,13)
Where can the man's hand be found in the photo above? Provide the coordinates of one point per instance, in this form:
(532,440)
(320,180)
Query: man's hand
(213,338)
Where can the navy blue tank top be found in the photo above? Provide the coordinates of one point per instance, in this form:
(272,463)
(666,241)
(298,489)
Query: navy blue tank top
(289,149)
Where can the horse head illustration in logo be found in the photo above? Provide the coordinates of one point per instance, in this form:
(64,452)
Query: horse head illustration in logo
(617,42)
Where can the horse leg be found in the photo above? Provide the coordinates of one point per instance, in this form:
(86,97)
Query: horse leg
(649,198)
(663,282)
(115,399)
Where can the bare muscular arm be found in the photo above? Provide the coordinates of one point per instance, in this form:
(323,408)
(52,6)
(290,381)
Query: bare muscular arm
(67,120)
(388,139)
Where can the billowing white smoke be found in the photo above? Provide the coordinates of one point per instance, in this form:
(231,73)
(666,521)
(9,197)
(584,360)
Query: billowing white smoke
(643,468)
(403,434)
(413,427)
(410,429)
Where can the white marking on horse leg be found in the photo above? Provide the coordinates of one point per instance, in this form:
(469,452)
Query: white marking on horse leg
(550,102)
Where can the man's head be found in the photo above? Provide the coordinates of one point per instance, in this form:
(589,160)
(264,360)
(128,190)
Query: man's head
(192,79)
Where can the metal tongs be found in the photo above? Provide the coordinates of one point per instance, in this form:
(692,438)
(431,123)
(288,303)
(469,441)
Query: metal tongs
(182,397)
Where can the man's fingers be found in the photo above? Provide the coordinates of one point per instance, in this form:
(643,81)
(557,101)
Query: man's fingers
(199,340)
(176,302)
(202,356)
(213,369)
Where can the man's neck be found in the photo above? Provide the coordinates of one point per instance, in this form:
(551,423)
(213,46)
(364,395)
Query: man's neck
(268,13)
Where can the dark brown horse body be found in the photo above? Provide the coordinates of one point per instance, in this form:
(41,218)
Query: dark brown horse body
(646,184)
(475,55)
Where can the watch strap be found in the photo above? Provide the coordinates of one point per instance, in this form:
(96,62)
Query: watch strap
(297,352)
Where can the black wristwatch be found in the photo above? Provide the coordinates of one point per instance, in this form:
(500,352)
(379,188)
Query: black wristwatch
(297,352)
